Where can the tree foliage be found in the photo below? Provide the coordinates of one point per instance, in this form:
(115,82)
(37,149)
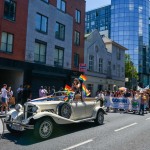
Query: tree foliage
(130,69)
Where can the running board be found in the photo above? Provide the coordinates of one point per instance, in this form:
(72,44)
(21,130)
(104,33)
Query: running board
(83,120)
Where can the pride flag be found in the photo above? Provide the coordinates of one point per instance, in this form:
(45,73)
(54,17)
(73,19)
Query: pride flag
(86,91)
(83,77)
(66,98)
(68,88)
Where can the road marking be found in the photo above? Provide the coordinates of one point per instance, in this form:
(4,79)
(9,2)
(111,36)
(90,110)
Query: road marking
(77,145)
(125,127)
(148,119)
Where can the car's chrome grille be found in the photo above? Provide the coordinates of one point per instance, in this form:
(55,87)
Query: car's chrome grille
(27,111)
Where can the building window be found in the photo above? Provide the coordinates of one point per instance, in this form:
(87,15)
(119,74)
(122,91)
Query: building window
(101,65)
(118,70)
(91,63)
(118,54)
(109,69)
(78,16)
(77,38)
(40,51)
(60,31)
(46,1)
(76,60)
(61,5)
(59,57)
(10,10)
(41,23)
(6,42)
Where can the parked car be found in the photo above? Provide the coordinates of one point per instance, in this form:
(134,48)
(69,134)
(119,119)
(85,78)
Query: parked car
(41,114)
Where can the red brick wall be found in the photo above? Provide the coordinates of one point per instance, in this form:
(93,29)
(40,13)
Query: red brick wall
(72,5)
(53,2)
(18,28)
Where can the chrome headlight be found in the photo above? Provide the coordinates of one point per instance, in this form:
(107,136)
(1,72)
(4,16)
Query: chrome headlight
(18,107)
(7,118)
(34,109)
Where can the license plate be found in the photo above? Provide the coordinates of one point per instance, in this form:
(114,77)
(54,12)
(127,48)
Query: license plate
(17,127)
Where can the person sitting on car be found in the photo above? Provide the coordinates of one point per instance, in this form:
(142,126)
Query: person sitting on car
(76,85)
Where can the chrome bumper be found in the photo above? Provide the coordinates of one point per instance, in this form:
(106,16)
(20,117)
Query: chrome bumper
(21,124)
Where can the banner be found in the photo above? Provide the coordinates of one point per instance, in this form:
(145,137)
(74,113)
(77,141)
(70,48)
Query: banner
(124,103)
(115,102)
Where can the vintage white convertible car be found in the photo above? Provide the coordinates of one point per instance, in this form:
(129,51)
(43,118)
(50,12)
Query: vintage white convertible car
(41,114)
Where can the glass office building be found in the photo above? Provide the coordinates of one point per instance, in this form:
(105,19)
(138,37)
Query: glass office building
(98,19)
(129,26)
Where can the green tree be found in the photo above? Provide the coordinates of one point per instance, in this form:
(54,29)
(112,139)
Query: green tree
(130,71)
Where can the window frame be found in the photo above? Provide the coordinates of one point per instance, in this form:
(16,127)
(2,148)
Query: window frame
(59,49)
(47,2)
(76,56)
(40,30)
(6,51)
(8,18)
(77,43)
(100,65)
(64,11)
(40,43)
(91,67)
(59,31)
(77,16)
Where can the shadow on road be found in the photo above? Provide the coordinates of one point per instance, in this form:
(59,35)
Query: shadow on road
(27,137)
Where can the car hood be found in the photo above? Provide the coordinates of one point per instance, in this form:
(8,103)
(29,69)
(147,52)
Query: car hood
(40,102)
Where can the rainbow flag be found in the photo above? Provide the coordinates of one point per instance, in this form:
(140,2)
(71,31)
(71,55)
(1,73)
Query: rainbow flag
(86,91)
(66,98)
(68,88)
(83,77)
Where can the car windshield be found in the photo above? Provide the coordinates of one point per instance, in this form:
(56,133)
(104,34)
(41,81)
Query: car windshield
(57,96)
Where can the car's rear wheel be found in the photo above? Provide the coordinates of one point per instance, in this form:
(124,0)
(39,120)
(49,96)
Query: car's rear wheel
(100,118)
(65,111)
(43,128)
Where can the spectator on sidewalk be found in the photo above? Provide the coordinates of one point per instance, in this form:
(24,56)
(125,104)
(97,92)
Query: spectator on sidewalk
(4,99)
(19,94)
(142,99)
(9,95)
(42,92)
(53,90)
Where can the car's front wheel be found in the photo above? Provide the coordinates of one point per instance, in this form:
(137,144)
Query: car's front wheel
(100,118)
(8,126)
(43,128)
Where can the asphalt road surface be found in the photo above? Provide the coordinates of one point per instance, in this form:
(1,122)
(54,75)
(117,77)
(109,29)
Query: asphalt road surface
(119,132)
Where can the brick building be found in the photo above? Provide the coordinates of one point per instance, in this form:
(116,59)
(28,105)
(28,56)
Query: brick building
(42,42)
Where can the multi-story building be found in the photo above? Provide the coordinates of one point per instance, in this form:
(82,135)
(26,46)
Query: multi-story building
(128,27)
(42,42)
(105,63)
(99,19)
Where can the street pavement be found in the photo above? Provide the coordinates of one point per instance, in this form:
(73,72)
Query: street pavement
(119,132)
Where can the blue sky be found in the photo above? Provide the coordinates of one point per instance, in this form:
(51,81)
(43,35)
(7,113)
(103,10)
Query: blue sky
(92,4)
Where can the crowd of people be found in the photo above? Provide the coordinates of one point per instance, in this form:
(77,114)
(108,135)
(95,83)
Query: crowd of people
(142,96)
(6,95)
(24,94)
(47,90)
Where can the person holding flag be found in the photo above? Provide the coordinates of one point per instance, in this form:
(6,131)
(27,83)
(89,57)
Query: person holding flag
(76,86)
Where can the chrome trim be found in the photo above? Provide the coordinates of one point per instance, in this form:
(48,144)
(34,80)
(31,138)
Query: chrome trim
(17,123)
